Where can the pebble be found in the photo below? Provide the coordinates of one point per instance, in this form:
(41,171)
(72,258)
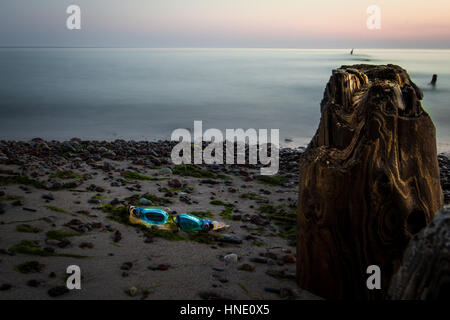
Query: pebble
(33,283)
(163,267)
(2,208)
(223,280)
(272,290)
(185,199)
(231,258)
(49,249)
(52,242)
(117,236)
(149,240)
(115,202)
(48,196)
(286,293)
(230,239)
(132,291)
(258,260)
(5,286)
(165,172)
(64,243)
(126,266)
(247,267)
(86,245)
(219,269)
(160,267)
(175,183)
(289,258)
(145,201)
(57,291)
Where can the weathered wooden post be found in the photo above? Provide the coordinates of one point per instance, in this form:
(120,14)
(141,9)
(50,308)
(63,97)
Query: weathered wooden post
(433,80)
(369,181)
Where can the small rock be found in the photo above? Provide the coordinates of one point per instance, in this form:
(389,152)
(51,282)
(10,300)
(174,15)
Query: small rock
(209,181)
(30,267)
(86,245)
(145,201)
(56,186)
(126,266)
(48,196)
(64,243)
(165,172)
(186,199)
(289,258)
(272,290)
(219,269)
(175,183)
(270,255)
(258,260)
(247,267)
(230,239)
(5,286)
(52,242)
(33,283)
(148,240)
(49,249)
(99,189)
(223,280)
(163,267)
(231,258)
(2,208)
(286,293)
(117,236)
(57,291)
(115,202)
(132,292)
(17,203)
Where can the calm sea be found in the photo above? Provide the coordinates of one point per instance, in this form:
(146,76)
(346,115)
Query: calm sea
(146,93)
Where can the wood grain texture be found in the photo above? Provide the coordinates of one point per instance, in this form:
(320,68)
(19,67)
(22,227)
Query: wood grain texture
(369,181)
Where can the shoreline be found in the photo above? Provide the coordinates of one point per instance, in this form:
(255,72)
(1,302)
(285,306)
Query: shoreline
(50,190)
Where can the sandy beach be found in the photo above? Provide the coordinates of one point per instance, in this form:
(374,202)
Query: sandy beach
(63,203)
(61,198)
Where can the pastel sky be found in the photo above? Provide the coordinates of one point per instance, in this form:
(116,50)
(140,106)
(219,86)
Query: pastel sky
(227,23)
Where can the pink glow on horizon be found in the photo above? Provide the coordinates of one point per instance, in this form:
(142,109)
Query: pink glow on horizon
(412,20)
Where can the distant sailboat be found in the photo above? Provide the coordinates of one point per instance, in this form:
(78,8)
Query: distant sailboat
(351,52)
